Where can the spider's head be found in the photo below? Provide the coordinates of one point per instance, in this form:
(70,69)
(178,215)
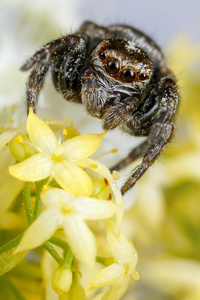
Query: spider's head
(123,63)
(119,69)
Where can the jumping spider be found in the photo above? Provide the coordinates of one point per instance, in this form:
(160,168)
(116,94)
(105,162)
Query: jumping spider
(121,77)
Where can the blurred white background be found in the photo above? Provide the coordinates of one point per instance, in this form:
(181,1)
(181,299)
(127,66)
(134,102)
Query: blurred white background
(25,25)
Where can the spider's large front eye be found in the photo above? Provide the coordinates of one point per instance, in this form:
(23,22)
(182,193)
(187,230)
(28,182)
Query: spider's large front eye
(128,75)
(112,67)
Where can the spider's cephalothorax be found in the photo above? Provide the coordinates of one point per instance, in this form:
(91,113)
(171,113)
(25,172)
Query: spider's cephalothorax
(120,76)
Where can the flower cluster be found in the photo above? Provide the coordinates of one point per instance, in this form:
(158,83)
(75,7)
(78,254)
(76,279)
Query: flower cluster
(73,206)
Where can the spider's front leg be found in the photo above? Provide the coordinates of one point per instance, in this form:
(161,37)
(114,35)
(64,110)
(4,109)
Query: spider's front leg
(150,156)
(64,55)
(160,133)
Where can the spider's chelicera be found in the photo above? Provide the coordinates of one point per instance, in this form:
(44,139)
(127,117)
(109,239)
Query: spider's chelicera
(121,77)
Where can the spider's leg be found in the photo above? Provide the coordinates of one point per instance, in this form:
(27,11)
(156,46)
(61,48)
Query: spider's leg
(167,93)
(33,85)
(149,157)
(46,57)
(132,156)
(161,128)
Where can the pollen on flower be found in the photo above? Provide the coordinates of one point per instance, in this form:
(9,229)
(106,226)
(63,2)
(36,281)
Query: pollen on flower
(18,139)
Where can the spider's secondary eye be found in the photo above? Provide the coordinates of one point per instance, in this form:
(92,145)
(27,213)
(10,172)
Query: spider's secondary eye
(143,76)
(112,67)
(128,75)
(102,55)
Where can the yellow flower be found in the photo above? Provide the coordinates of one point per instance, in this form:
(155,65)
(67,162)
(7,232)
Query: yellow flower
(63,210)
(10,188)
(7,135)
(60,161)
(118,274)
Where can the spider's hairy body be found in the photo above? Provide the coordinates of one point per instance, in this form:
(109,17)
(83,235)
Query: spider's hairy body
(119,74)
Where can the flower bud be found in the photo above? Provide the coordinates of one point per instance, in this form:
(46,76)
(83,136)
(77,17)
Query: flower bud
(62,280)
(21,148)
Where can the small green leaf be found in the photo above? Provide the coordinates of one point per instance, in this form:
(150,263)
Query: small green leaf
(8,260)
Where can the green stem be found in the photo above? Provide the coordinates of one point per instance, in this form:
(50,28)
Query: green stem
(11,244)
(58,242)
(68,258)
(53,253)
(28,202)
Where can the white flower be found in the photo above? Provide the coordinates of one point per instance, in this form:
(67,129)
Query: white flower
(118,274)
(63,210)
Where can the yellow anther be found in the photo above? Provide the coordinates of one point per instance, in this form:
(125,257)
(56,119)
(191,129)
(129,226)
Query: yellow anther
(114,150)
(115,175)
(10,121)
(94,166)
(18,139)
(44,188)
(136,275)
(64,132)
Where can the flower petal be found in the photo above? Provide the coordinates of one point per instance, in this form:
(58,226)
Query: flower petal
(9,190)
(41,230)
(34,168)
(56,125)
(5,137)
(80,238)
(93,209)
(116,292)
(53,195)
(40,134)
(101,169)
(121,247)
(73,179)
(110,275)
(82,146)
